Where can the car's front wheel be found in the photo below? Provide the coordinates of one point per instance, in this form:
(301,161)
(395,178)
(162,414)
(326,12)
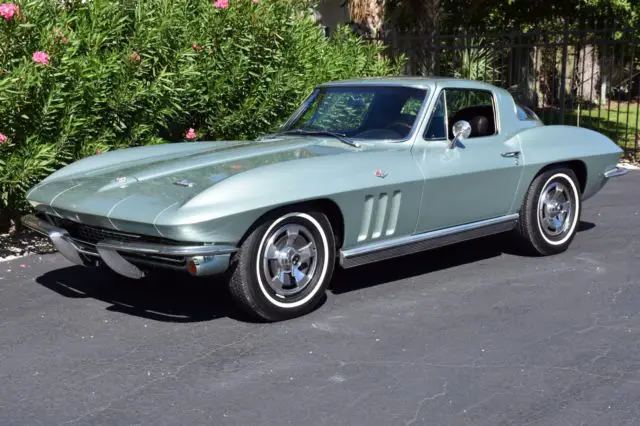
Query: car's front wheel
(284,266)
(550,213)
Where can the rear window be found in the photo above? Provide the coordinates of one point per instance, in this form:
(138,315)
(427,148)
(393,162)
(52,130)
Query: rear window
(525,113)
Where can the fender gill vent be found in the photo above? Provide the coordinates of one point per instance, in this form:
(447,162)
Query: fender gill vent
(379,216)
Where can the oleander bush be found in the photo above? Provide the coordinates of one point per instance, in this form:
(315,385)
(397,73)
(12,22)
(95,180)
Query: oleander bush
(80,77)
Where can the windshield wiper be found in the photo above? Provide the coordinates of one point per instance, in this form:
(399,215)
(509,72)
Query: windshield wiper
(340,136)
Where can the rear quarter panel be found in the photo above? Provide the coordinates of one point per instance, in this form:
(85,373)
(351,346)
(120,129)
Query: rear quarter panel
(546,145)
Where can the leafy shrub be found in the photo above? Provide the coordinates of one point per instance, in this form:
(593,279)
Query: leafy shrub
(81,77)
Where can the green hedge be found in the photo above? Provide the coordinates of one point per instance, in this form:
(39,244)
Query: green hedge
(79,78)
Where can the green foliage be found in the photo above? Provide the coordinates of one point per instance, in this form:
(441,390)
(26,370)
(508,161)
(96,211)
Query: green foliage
(479,61)
(458,99)
(423,16)
(133,72)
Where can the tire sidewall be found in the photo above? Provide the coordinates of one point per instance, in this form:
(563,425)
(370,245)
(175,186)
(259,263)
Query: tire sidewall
(314,293)
(568,178)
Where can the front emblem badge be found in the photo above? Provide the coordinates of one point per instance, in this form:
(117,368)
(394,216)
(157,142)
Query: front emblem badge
(184,182)
(120,180)
(381,173)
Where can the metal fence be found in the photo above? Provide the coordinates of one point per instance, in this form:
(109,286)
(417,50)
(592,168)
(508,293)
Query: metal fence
(588,77)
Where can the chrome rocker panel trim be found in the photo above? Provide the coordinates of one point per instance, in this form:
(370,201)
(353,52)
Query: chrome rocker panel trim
(396,247)
(615,172)
(113,253)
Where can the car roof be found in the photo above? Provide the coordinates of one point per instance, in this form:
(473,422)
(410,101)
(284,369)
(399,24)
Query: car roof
(415,82)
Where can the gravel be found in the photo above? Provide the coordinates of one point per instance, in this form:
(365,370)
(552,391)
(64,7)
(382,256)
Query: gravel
(23,243)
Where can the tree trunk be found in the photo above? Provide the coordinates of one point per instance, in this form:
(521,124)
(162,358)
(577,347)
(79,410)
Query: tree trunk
(5,221)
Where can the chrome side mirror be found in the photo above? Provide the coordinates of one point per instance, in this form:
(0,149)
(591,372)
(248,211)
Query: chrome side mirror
(461,131)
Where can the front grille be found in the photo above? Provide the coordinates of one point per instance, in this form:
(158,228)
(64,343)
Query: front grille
(93,234)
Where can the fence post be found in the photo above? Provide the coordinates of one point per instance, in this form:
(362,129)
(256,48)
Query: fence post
(436,56)
(563,73)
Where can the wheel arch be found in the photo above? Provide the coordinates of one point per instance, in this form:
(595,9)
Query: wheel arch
(577,166)
(324,205)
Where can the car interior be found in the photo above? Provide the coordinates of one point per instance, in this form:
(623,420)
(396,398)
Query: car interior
(392,115)
(480,117)
(386,119)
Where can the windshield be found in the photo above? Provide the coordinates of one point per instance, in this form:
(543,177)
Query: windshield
(361,112)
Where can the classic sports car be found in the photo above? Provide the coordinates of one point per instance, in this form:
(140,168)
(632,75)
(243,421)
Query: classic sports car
(365,170)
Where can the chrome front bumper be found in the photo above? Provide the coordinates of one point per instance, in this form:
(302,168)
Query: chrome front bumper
(131,258)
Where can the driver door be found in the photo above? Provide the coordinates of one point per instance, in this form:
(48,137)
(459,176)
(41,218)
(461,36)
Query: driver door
(478,178)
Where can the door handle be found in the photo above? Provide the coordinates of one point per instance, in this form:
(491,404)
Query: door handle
(511,154)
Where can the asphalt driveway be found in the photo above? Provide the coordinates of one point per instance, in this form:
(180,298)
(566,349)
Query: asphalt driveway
(473,334)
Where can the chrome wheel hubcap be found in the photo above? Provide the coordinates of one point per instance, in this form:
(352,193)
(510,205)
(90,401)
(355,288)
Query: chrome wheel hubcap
(555,209)
(290,260)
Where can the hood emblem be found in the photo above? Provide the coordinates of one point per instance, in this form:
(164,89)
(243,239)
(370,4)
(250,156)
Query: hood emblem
(120,180)
(380,173)
(185,183)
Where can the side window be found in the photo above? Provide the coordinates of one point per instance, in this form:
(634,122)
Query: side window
(474,106)
(437,129)
(525,113)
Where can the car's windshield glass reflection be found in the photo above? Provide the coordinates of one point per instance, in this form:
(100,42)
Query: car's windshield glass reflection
(361,112)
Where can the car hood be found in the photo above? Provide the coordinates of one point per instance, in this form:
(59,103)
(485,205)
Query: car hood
(138,185)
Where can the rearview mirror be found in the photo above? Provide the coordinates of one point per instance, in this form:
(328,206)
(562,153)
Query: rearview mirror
(461,131)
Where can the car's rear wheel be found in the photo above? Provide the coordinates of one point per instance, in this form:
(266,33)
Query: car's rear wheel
(284,266)
(550,212)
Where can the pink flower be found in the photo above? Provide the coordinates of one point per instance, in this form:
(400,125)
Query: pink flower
(8,10)
(98,151)
(256,1)
(191,134)
(3,138)
(40,57)
(134,57)
(221,4)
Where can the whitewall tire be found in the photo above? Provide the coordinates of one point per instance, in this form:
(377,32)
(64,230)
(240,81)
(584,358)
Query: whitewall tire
(284,266)
(550,213)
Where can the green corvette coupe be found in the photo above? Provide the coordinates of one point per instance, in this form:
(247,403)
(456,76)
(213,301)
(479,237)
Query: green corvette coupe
(365,170)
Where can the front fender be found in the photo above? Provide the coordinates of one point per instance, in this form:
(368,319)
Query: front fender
(226,210)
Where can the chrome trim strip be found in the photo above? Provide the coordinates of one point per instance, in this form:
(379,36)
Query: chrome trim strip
(615,172)
(381,246)
(35,224)
(81,247)
(149,248)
